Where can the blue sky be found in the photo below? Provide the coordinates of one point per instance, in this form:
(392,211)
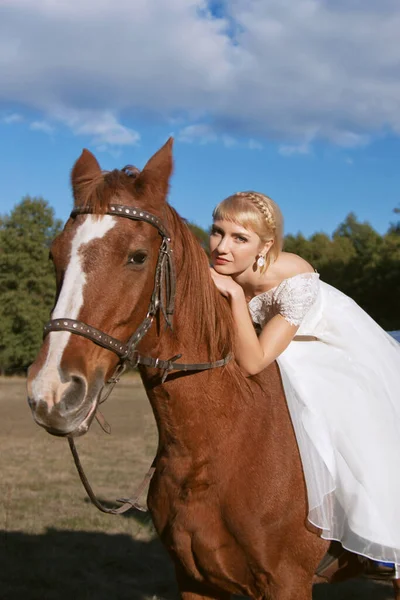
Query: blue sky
(299,100)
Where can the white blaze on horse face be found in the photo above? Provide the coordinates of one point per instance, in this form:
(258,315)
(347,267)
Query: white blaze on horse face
(47,384)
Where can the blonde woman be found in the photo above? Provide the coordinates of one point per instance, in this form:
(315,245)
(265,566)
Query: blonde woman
(340,371)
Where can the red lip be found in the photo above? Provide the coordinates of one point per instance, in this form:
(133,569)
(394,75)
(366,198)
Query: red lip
(221,261)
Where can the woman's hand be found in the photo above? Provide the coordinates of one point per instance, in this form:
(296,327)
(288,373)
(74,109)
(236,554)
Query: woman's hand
(225,284)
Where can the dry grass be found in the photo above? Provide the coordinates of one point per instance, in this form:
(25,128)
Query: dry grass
(54,545)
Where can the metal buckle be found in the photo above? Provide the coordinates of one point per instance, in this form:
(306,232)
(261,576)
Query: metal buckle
(133,358)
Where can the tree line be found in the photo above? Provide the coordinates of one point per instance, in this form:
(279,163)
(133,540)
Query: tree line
(355,259)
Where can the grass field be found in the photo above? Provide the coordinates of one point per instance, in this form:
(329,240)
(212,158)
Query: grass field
(54,545)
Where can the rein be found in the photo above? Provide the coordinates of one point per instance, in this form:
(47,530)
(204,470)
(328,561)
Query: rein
(162,299)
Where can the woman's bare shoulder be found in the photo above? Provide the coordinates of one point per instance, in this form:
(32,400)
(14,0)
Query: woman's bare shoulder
(289,264)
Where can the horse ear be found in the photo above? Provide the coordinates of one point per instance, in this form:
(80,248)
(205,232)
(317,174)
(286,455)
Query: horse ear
(154,178)
(84,171)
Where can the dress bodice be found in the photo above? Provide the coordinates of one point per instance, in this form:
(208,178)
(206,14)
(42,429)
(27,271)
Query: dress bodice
(292,298)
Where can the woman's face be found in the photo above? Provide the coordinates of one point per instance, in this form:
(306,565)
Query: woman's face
(233,248)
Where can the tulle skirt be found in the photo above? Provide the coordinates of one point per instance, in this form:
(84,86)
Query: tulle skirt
(343,393)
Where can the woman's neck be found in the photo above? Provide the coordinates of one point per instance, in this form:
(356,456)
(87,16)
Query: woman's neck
(253,282)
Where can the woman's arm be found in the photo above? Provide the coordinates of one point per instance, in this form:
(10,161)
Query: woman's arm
(254,353)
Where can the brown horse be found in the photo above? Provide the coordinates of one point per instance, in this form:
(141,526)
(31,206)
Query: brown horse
(228,497)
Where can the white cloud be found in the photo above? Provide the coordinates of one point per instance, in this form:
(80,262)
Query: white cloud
(295,71)
(42,126)
(103,126)
(348,139)
(229,141)
(197,133)
(254,145)
(203,133)
(290,150)
(11,119)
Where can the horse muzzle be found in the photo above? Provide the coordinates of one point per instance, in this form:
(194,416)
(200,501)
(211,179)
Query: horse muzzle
(64,408)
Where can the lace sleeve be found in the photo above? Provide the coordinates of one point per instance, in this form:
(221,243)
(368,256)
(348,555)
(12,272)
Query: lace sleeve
(296,295)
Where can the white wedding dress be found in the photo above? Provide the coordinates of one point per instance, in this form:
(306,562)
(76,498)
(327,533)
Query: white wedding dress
(341,375)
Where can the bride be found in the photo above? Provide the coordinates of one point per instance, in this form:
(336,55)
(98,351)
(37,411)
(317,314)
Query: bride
(340,371)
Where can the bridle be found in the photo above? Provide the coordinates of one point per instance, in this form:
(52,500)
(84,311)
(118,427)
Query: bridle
(162,299)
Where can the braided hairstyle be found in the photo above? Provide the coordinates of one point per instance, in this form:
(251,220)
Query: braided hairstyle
(258,212)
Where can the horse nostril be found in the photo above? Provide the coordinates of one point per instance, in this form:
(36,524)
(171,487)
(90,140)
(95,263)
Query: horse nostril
(32,402)
(75,393)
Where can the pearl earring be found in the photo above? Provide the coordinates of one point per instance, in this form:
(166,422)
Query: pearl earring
(261,261)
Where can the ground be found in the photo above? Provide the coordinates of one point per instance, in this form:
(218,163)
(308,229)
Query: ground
(54,545)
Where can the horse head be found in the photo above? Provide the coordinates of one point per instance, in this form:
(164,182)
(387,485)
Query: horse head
(105,271)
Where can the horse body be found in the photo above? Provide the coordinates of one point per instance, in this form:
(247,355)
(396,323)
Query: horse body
(229,506)
(228,495)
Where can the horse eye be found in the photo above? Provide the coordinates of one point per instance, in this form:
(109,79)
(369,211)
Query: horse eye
(138,257)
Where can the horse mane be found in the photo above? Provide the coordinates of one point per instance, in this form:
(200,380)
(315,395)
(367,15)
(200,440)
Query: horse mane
(210,315)
(208,309)
(99,191)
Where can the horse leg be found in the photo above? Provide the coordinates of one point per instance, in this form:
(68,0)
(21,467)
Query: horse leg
(291,584)
(300,591)
(190,589)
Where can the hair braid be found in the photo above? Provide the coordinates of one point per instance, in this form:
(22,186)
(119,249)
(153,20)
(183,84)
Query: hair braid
(260,202)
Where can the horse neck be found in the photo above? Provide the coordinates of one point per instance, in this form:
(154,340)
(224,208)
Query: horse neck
(188,401)
(192,409)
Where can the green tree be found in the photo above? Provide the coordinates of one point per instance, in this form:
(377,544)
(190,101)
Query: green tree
(387,280)
(395,227)
(365,239)
(360,276)
(297,244)
(360,262)
(202,235)
(26,280)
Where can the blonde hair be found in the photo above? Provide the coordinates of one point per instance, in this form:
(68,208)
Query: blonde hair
(257,212)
